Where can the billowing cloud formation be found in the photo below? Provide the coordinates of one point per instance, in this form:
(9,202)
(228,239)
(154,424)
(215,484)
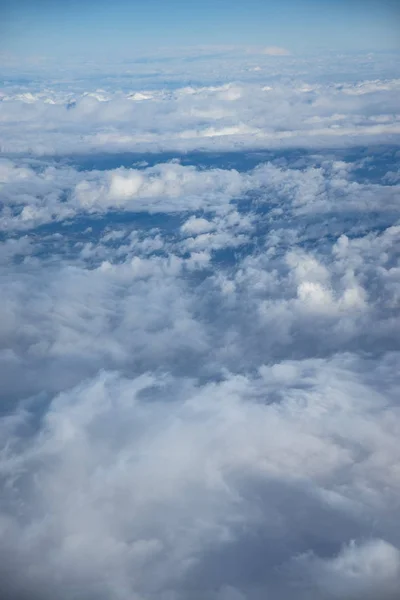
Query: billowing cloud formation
(199,352)
(36,193)
(154,486)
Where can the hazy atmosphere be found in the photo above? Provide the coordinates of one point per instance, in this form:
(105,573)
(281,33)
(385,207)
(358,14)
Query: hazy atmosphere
(199,300)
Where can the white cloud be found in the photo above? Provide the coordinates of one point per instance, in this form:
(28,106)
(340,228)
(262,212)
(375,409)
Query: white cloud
(33,196)
(272,113)
(197,226)
(199,352)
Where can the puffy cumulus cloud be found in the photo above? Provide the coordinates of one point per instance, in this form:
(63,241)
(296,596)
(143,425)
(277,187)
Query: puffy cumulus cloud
(201,287)
(35,196)
(141,301)
(38,193)
(163,188)
(196,225)
(199,352)
(201,403)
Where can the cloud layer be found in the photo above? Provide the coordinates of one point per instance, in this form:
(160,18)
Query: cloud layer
(199,351)
(269,112)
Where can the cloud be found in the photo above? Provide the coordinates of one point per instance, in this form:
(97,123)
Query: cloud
(182,427)
(130,496)
(38,194)
(199,351)
(365,570)
(277,112)
(275,51)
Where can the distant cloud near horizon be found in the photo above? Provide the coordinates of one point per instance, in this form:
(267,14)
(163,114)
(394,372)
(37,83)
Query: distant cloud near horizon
(276,51)
(261,105)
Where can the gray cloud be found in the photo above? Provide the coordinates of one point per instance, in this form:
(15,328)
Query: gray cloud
(207,486)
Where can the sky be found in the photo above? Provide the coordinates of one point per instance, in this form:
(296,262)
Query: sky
(121,28)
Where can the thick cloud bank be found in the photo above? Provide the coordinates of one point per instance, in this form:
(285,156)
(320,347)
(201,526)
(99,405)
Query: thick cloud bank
(199,351)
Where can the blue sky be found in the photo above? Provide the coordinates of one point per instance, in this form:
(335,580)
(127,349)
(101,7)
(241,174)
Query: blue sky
(62,27)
